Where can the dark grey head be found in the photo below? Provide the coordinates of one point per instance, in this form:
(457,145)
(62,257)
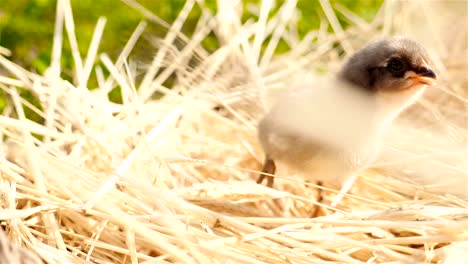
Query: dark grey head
(389,65)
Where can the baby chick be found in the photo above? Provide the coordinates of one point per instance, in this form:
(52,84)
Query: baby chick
(333,127)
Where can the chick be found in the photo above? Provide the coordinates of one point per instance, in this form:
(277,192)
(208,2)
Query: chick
(334,127)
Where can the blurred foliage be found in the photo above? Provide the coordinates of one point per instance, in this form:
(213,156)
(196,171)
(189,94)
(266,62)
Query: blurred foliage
(27,26)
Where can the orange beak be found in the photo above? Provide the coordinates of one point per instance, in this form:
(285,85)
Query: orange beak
(423,76)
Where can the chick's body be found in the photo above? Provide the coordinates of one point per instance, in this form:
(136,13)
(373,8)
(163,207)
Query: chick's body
(325,129)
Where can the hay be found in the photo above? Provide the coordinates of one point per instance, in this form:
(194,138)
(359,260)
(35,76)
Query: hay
(172,180)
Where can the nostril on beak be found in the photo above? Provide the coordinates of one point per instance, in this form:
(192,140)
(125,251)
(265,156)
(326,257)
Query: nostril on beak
(426,72)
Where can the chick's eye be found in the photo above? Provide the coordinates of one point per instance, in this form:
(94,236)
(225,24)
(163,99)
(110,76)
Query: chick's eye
(395,65)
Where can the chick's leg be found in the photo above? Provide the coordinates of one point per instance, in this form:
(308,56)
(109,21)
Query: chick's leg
(318,211)
(269,167)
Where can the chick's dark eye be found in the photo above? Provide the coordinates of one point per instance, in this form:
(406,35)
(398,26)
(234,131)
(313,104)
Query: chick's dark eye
(396,66)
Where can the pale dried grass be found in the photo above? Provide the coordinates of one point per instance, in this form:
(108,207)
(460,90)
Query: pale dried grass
(172,180)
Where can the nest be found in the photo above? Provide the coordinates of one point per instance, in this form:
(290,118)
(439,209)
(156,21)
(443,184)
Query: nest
(172,180)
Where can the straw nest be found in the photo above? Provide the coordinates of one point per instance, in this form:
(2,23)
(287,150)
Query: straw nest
(171,180)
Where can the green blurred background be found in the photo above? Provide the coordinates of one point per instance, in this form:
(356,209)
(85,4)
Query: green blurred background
(26,26)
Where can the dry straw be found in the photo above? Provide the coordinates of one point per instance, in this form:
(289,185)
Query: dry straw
(172,180)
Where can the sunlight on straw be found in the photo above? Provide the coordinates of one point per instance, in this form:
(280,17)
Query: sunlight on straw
(172,180)
(92,51)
